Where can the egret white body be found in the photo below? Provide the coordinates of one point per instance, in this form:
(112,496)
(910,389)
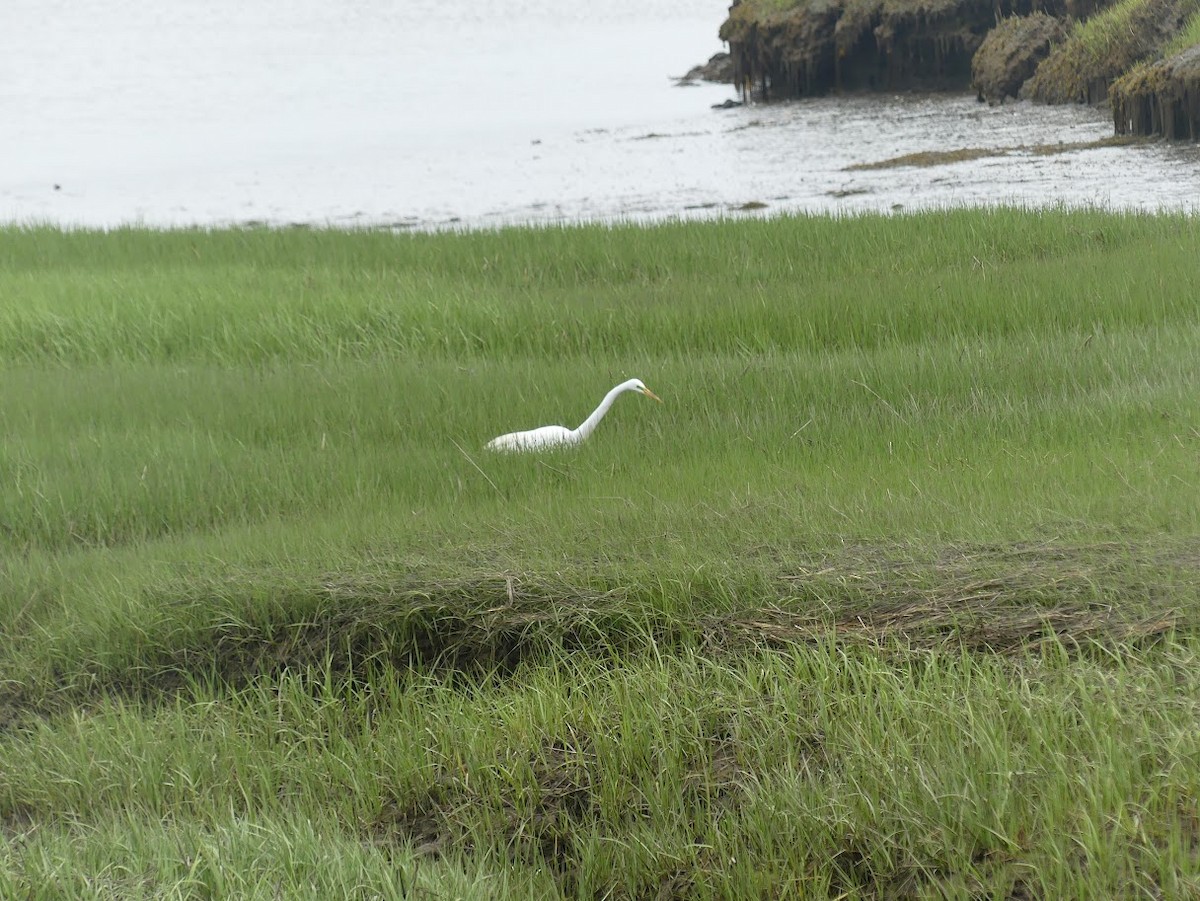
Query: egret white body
(549,436)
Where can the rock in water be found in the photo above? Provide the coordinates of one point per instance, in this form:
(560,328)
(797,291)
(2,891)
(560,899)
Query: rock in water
(719,68)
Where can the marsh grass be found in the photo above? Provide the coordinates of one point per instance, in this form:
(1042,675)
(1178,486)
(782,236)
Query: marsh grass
(826,770)
(1106,45)
(1188,36)
(273,622)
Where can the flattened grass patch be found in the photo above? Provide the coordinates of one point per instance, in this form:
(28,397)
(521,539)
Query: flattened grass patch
(244,627)
(1000,599)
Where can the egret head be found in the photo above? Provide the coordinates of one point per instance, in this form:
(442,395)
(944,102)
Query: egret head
(639,385)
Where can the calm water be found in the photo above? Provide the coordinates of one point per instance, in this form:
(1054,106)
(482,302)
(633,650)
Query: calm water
(450,113)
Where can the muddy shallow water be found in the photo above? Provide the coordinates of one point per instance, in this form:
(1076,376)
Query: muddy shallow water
(444,113)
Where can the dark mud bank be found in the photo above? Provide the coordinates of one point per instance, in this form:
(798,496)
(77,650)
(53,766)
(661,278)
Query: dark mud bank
(1161,98)
(1060,51)
(1011,53)
(826,46)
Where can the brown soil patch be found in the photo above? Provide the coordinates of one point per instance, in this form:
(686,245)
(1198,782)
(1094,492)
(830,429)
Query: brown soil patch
(538,824)
(421,824)
(963,154)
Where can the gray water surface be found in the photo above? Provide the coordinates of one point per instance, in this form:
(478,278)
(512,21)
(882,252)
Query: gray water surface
(430,114)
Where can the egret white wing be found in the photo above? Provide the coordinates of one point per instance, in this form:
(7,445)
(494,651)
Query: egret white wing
(533,439)
(560,436)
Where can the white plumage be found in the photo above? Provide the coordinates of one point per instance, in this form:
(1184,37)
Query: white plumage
(560,436)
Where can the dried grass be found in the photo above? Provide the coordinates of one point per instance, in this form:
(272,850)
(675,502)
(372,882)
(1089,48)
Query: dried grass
(988,599)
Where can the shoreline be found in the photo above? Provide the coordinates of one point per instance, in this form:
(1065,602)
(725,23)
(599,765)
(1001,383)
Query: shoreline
(1140,55)
(683,169)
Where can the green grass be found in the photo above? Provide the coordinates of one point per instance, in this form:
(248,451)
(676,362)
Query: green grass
(1102,34)
(1098,34)
(1189,36)
(274,622)
(1104,47)
(824,770)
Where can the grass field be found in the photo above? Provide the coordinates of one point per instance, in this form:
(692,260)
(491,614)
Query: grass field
(895,595)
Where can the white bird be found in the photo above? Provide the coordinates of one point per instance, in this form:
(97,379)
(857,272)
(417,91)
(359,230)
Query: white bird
(560,436)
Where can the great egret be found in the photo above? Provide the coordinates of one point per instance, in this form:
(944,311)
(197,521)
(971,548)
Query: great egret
(560,436)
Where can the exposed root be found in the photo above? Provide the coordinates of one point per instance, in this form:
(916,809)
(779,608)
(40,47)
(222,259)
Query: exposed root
(1080,69)
(1160,98)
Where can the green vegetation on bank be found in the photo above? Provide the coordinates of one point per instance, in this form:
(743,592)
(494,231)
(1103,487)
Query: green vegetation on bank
(895,593)
(1140,56)
(1110,43)
(1189,36)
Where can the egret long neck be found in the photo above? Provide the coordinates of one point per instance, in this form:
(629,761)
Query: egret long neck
(589,425)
